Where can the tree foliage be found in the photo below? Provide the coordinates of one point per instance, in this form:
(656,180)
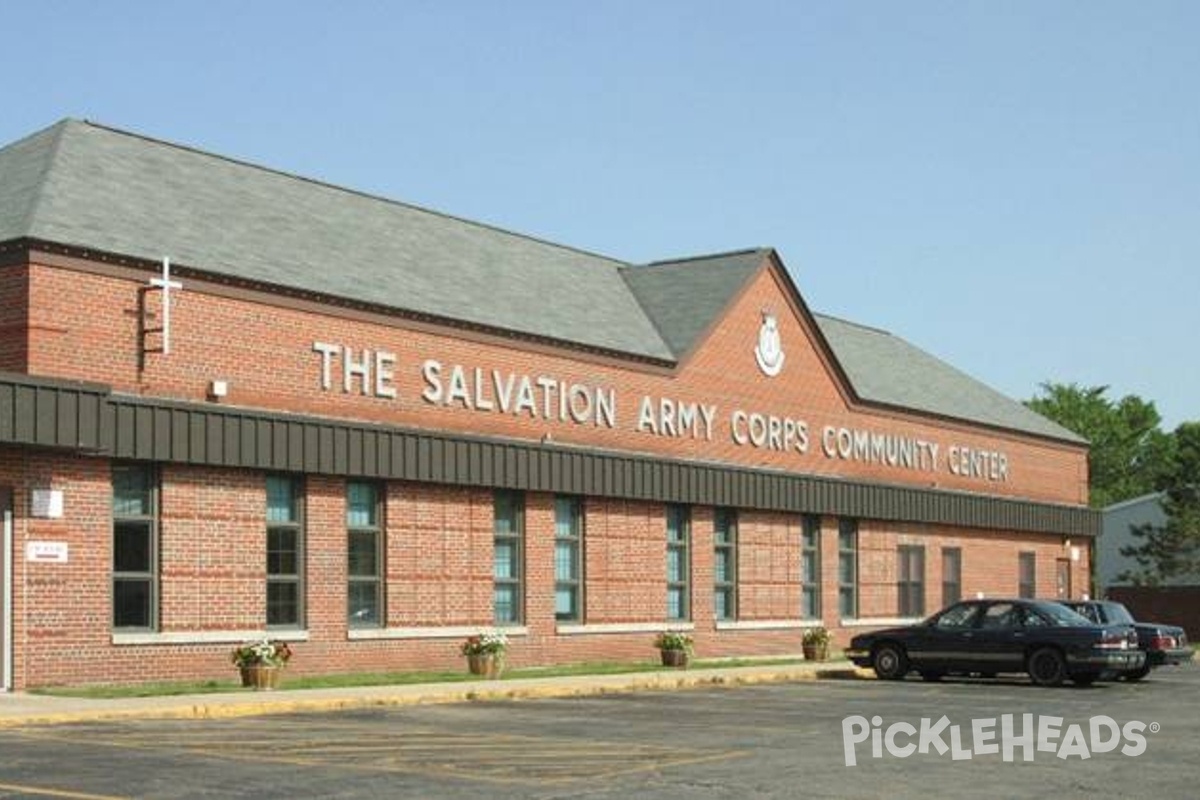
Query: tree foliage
(1130,455)
(1163,552)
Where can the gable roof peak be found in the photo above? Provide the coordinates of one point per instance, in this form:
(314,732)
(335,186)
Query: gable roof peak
(727,254)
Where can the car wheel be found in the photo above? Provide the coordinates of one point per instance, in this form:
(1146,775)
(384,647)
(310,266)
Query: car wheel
(1086,679)
(931,675)
(1138,673)
(890,662)
(1047,667)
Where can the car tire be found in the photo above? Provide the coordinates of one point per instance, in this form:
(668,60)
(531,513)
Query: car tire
(932,675)
(1138,673)
(1085,679)
(890,662)
(1047,667)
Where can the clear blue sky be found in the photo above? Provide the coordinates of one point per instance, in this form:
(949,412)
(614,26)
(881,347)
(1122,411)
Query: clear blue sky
(1014,187)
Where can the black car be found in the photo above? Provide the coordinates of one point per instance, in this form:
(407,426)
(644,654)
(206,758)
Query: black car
(1042,638)
(1163,644)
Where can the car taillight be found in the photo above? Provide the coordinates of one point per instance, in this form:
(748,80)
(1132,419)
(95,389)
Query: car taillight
(1114,640)
(1161,642)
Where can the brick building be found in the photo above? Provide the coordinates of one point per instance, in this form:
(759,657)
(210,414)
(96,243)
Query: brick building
(372,429)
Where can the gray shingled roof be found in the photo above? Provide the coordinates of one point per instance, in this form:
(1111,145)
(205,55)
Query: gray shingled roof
(81,184)
(96,188)
(685,296)
(886,369)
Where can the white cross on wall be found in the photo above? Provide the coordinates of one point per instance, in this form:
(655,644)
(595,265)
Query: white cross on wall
(166,284)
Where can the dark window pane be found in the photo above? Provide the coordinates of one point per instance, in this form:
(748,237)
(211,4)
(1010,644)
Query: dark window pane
(564,561)
(361,505)
(364,603)
(281,499)
(283,603)
(131,547)
(131,603)
(131,491)
(282,556)
(675,603)
(364,553)
(846,602)
(506,603)
(722,567)
(564,603)
(506,560)
(506,508)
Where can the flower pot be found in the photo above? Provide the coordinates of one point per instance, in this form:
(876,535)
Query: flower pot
(816,652)
(260,677)
(488,665)
(674,658)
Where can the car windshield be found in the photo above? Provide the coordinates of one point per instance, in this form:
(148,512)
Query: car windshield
(1117,613)
(1062,616)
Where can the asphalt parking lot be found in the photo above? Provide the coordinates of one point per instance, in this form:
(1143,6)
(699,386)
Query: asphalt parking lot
(780,740)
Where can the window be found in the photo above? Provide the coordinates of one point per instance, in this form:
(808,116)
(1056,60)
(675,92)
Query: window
(364,539)
(725,564)
(810,567)
(568,541)
(1026,575)
(284,552)
(848,568)
(959,616)
(910,580)
(678,567)
(1000,616)
(135,547)
(507,528)
(951,575)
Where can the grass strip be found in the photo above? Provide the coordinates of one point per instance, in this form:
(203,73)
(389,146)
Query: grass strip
(353,679)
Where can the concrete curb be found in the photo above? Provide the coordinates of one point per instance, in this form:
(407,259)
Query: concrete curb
(44,710)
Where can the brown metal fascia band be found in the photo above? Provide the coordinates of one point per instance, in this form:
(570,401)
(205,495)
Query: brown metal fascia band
(41,412)
(136,428)
(81,417)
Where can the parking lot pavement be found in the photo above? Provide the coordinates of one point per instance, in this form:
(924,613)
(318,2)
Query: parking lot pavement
(777,740)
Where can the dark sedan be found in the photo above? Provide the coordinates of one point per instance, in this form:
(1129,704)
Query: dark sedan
(1163,644)
(1044,639)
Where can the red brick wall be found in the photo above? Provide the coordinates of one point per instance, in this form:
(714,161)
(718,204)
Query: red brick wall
(439,573)
(768,566)
(14,311)
(85,327)
(625,566)
(438,538)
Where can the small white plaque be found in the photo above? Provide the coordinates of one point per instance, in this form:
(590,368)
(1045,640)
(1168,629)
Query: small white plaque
(47,503)
(46,552)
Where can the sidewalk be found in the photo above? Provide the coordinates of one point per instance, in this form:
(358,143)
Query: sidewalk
(21,708)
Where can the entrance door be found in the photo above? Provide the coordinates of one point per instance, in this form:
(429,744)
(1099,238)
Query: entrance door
(1064,578)
(6,612)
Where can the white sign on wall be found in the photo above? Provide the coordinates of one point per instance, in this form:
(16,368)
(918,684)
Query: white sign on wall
(47,503)
(46,552)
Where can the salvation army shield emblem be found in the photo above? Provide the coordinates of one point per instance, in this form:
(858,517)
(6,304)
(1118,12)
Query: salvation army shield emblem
(769,352)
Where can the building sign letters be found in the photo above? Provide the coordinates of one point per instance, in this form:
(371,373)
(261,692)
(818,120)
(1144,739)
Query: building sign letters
(376,373)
